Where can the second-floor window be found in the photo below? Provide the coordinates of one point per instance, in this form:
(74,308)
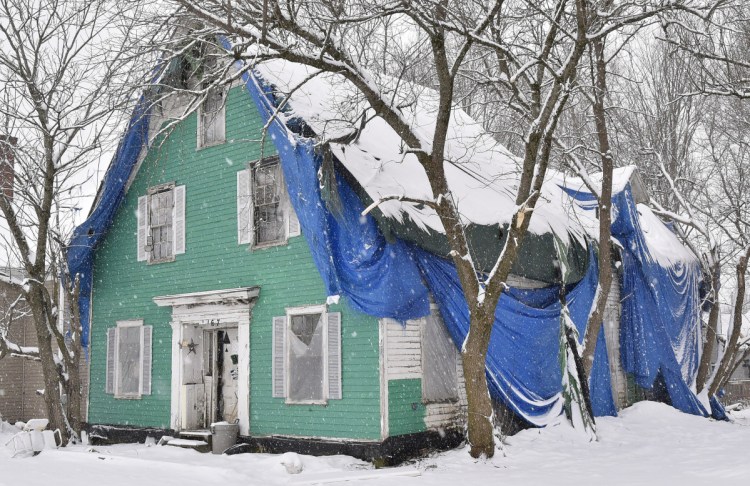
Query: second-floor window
(161,223)
(267,212)
(265,215)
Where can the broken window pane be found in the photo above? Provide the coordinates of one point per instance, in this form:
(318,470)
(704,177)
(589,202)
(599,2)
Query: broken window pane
(129,360)
(160,224)
(268,214)
(306,358)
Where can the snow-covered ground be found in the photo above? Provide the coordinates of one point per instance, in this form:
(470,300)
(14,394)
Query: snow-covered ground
(649,443)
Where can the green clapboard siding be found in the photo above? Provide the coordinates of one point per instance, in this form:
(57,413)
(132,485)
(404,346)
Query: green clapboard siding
(124,289)
(406,411)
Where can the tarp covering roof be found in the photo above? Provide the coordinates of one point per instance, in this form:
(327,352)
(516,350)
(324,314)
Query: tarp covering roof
(391,278)
(482,174)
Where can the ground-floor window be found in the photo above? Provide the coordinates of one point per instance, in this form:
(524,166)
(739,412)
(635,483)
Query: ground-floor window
(307,355)
(439,355)
(129,359)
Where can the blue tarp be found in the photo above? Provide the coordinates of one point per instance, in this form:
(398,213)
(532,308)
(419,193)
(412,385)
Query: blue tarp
(392,279)
(112,191)
(660,322)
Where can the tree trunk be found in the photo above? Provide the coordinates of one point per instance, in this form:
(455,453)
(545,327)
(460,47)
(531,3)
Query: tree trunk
(596,315)
(722,374)
(50,371)
(704,367)
(474,357)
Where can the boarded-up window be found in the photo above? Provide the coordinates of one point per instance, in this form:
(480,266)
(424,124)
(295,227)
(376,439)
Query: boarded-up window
(129,359)
(439,354)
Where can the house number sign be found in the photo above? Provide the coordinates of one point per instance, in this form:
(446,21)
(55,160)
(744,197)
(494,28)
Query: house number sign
(211,322)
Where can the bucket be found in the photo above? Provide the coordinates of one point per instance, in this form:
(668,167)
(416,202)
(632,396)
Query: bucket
(223,436)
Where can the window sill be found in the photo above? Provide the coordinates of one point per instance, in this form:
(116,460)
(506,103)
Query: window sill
(200,147)
(441,401)
(164,260)
(128,397)
(269,244)
(323,403)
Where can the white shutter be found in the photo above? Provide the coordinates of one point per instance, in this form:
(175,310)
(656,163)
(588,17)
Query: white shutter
(220,121)
(147,332)
(334,355)
(178,221)
(278,370)
(244,207)
(294,228)
(142,228)
(111,343)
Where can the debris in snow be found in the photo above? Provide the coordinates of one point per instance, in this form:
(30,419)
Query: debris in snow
(292,462)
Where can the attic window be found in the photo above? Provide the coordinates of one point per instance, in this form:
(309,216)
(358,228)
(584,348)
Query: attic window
(211,118)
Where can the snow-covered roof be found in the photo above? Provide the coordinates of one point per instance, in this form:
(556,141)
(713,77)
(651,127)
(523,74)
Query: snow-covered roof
(482,174)
(663,244)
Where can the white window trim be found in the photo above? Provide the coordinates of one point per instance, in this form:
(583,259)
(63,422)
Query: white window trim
(131,396)
(284,204)
(176,220)
(295,311)
(221,114)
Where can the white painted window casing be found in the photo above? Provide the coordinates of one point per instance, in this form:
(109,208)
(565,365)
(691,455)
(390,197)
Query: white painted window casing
(129,359)
(265,215)
(306,366)
(161,223)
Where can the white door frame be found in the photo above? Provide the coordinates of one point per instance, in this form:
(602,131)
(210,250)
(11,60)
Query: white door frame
(203,308)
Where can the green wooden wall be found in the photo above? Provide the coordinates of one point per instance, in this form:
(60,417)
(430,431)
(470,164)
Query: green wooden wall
(406,411)
(124,288)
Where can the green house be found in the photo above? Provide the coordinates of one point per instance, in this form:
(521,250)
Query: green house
(209,299)
(206,306)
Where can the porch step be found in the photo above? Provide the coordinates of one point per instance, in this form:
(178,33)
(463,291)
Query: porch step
(198,445)
(196,434)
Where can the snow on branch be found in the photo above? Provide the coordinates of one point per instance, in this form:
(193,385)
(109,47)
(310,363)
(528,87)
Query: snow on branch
(402,198)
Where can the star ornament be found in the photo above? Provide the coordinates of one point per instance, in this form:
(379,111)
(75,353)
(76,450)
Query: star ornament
(192,347)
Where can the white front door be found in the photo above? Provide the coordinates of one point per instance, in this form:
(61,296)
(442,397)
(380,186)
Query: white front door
(210,375)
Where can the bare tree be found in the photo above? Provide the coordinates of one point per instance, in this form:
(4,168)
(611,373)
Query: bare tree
(64,71)
(528,53)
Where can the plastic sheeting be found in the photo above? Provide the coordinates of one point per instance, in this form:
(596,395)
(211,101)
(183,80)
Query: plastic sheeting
(522,360)
(660,323)
(387,279)
(111,192)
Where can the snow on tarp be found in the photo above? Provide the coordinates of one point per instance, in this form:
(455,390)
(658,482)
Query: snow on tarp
(112,191)
(660,331)
(522,364)
(481,173)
